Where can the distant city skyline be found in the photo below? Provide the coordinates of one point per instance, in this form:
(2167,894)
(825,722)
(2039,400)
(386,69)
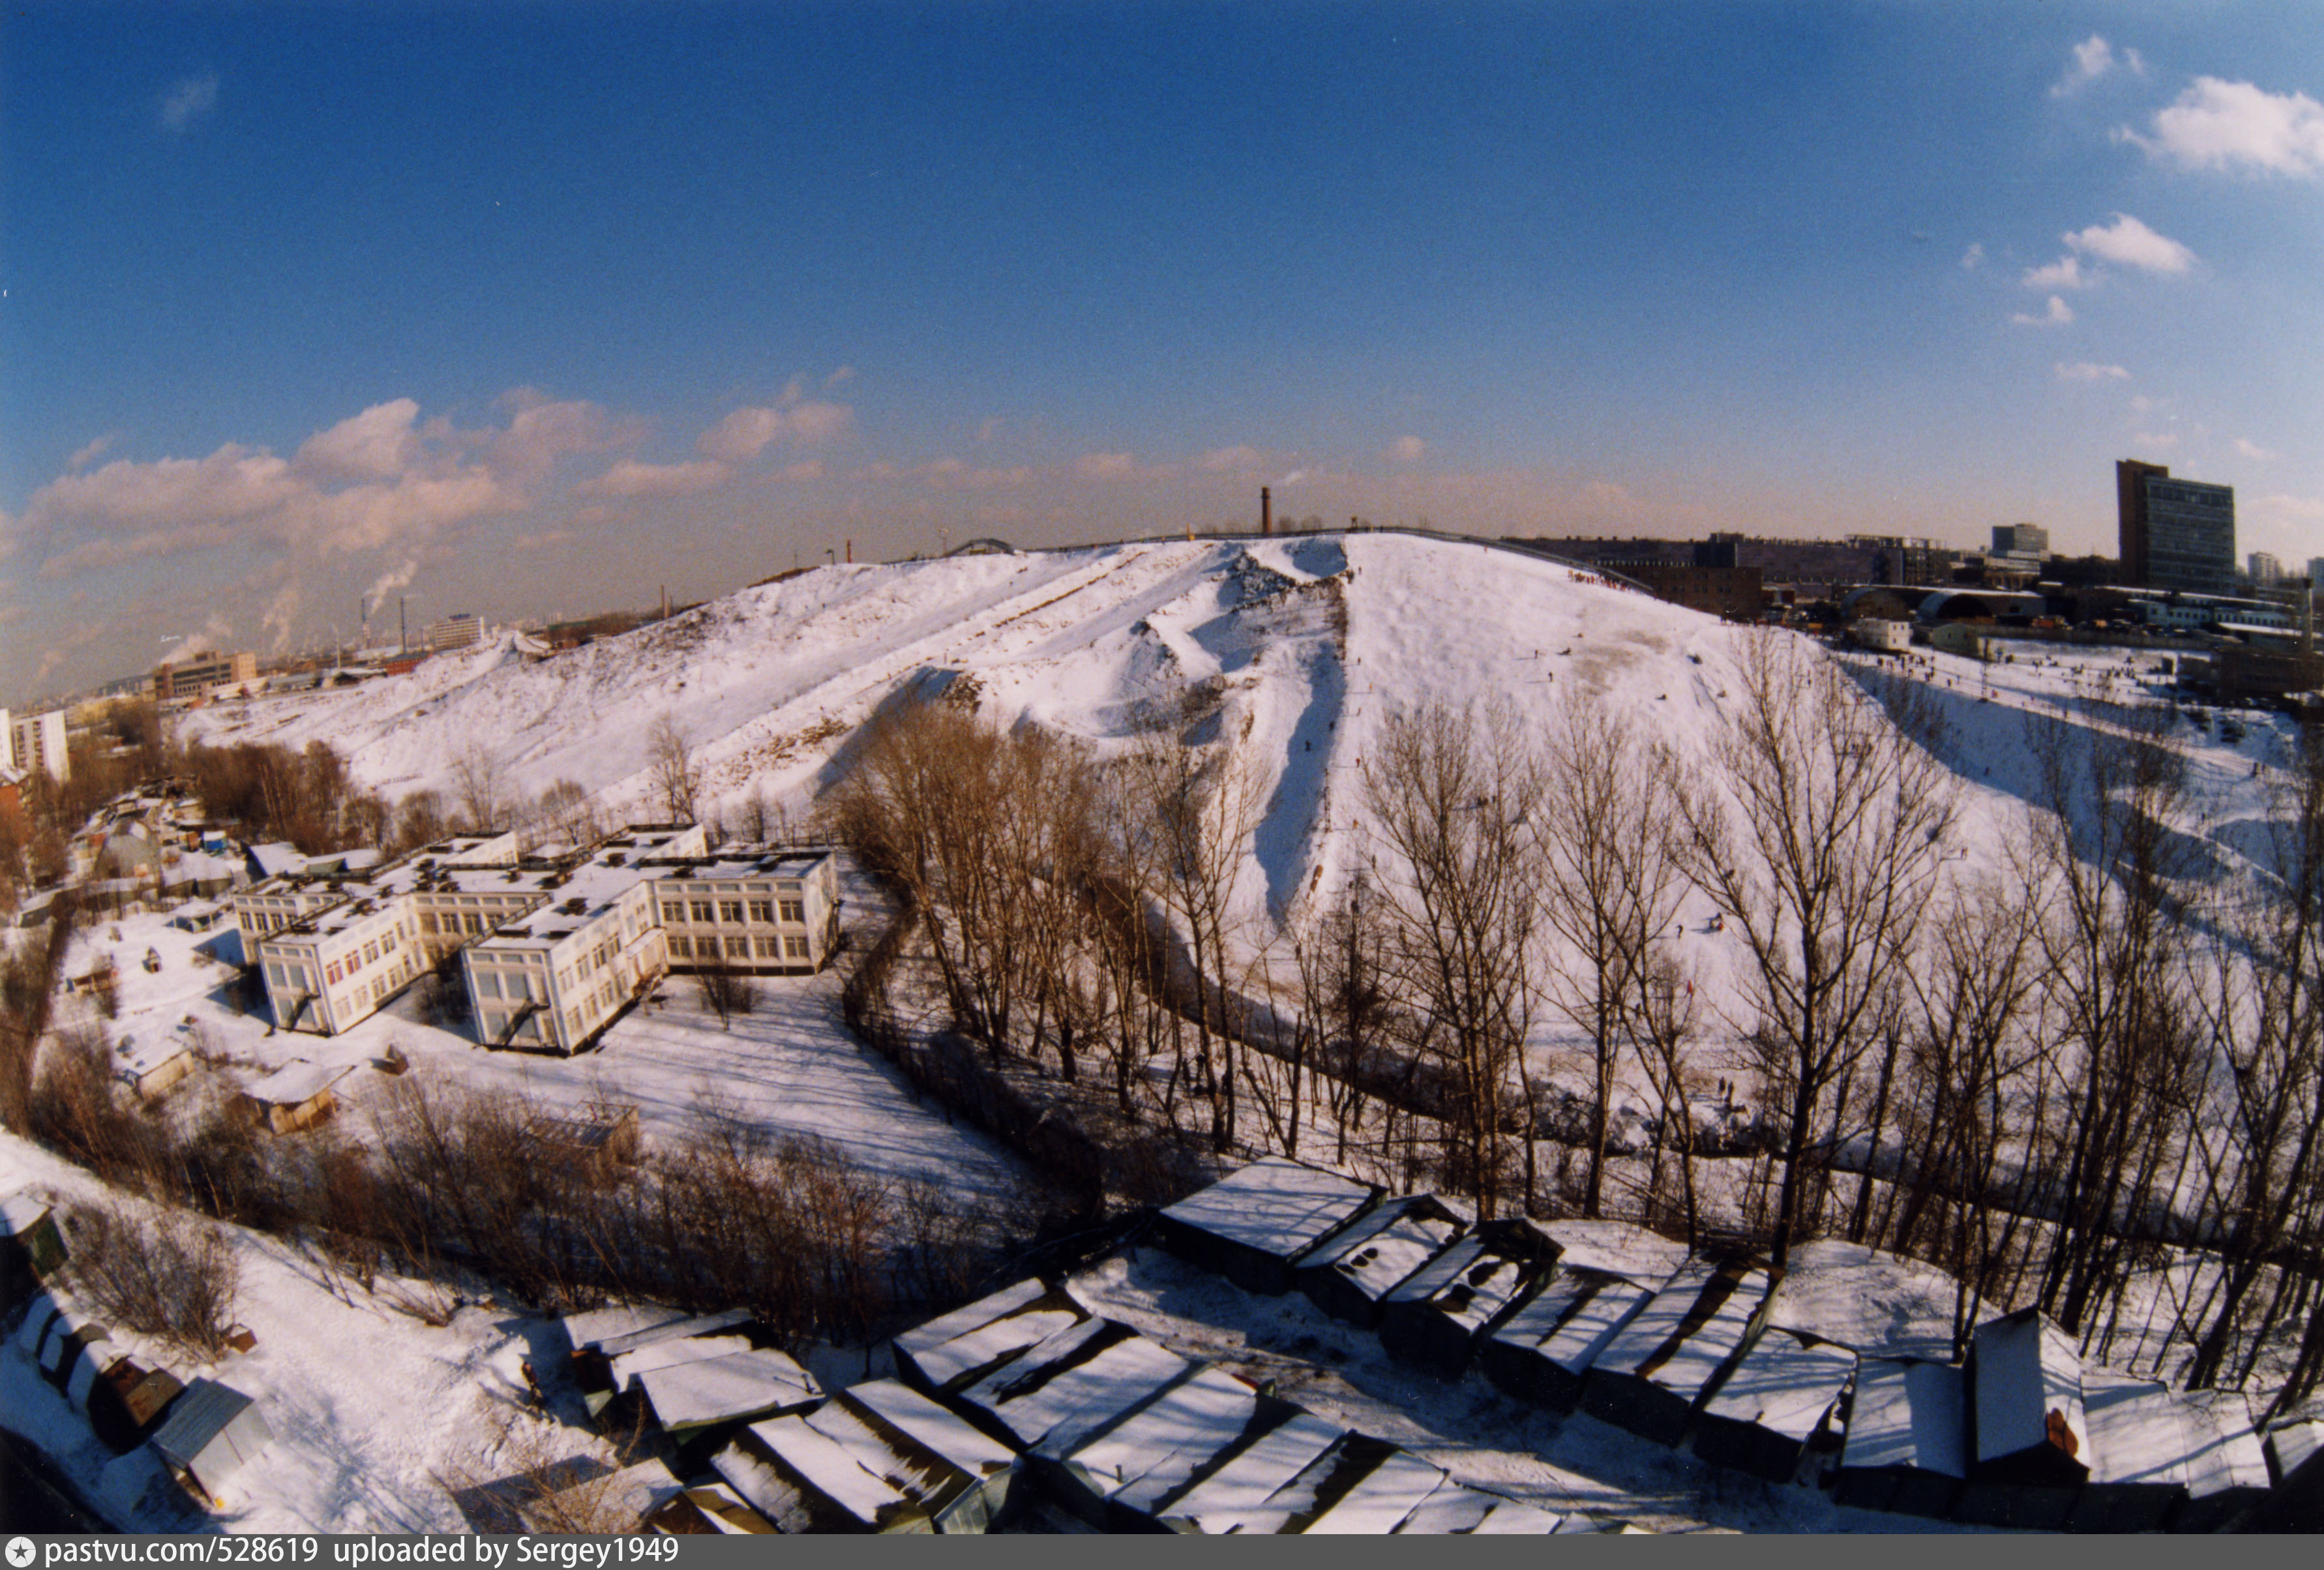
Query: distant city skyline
(522,308)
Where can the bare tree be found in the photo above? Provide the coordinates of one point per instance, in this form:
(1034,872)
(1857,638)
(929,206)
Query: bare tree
(480,786)
(1818,833)
(1452,792)
(1610,886)
(1199,807)
(677,779)
(2129,1051)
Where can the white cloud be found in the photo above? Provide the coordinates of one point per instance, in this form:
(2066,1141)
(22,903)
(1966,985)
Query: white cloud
(2084,371)
(1973,258)
(2132,243)
(377,478)
(631,478)
(2065,272)
(2093,59)
(2251,449)
(2237,126)
(2155,439)
(378,444)
(1406,449)
(2059,315)
(84,456)
(1231,460)
(190,100)
(745,433)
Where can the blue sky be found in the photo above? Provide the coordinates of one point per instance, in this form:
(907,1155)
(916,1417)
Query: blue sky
(534,307)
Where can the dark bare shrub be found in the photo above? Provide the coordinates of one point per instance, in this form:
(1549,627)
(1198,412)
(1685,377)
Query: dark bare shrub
(170,1278)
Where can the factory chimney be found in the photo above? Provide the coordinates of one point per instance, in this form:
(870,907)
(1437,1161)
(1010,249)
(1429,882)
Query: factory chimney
(1266,512)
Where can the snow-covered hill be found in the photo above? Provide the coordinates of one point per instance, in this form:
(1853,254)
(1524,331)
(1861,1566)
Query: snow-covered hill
(1311,640)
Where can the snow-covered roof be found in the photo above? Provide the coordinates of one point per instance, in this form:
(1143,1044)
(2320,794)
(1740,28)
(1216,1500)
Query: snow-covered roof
(1381,1250)
(613,1344)
(1577,1344)
(1616,1247)
(1062,1390)
(941,1429)
(297,1081)
(203,1412)
(1873,1303)
(1454,1509)
(1644,1346)
(1381,1499)
(1154,1451)
(587,1329)
(1275,1207)
(829,1467)
(20,1212)
(276,858)
(980,1345)
(740,1384)
(139,1059)
(1252,1477)
(1784,1385)
(1908,1414)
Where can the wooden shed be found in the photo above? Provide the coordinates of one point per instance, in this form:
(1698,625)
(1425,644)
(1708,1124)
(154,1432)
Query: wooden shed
(1436,1315)
(151,1067)
(1906,1445)
(598,1137)
(298,1096)
(31,1248)
(1250,1227)
(212,1432)
(1782,1399)
(1350,1273)
(1658,1367)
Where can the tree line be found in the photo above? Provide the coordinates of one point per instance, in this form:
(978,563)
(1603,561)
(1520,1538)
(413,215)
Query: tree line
(2061,1064)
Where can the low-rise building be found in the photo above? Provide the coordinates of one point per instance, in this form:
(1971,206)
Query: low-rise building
(753,908)
(550,949)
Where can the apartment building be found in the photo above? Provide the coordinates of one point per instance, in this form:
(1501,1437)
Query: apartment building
(35,741)
(756,909)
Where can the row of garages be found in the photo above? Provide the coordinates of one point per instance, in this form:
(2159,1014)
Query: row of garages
(2022,1434)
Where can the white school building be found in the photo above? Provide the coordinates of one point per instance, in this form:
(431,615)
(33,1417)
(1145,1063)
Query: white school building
(551,948)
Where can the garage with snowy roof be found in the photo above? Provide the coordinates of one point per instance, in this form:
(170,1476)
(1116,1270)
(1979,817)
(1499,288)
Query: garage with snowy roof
(1660,1366)
(1250,1227)
(1906,1445)
(1435,1316)
(1781,1400)
(1350,1273)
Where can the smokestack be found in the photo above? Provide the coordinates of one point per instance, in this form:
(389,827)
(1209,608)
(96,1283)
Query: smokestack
(1266,512)
(851,552)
